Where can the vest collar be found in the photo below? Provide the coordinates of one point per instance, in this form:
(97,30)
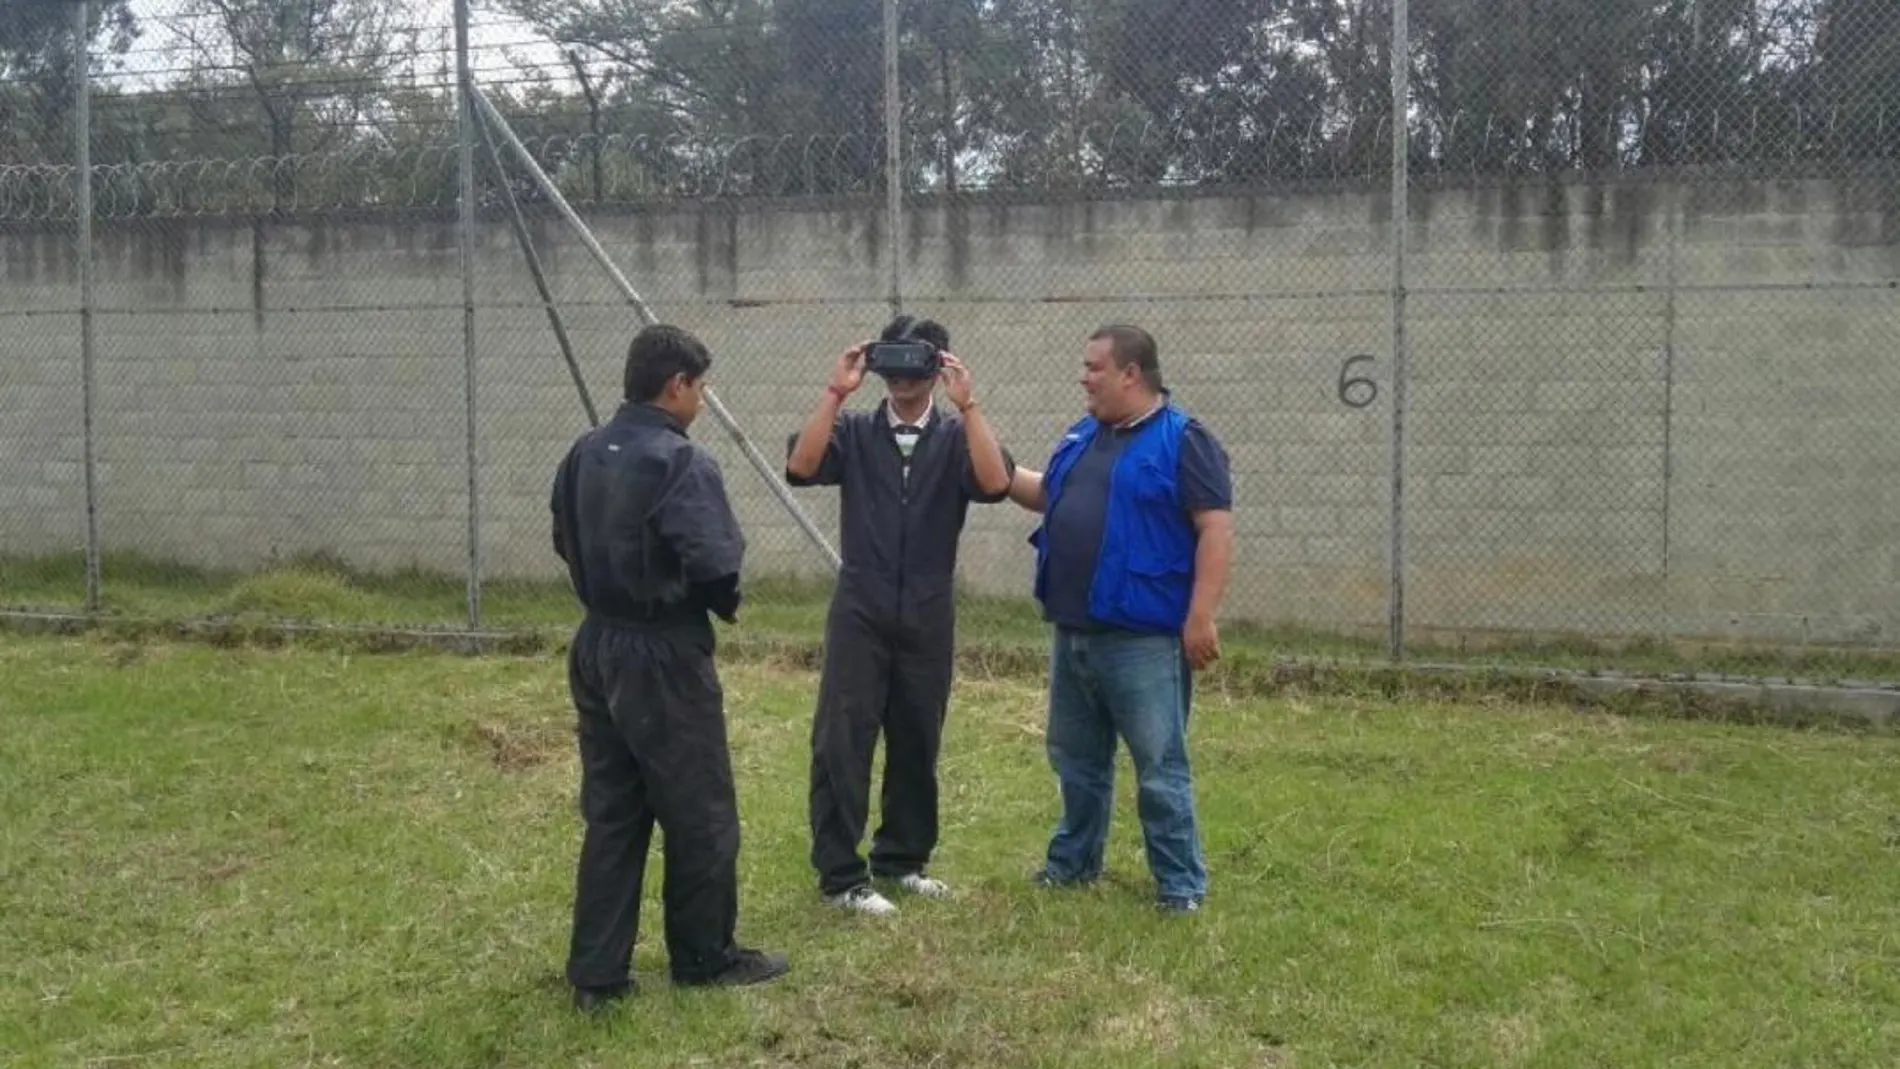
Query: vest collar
(1161,405)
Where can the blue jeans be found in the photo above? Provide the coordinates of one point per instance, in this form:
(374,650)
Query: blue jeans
(1139,687)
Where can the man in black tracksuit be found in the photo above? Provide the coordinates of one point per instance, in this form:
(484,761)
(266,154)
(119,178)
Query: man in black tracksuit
(642,520)
(907,472)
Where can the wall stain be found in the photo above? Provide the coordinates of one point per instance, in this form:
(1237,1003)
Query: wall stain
(957,224)
(1556,227)
(317,242)
(873,234)
(158,251)
(645,244)
(1511,216)
(258,271)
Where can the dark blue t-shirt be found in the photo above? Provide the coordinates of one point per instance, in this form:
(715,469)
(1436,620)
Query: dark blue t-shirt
(1073,530)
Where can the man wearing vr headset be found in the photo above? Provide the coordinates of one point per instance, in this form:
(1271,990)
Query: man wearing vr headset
(906,472)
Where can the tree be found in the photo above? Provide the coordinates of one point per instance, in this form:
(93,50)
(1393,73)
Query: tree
(1858,72)
(38,70)
(787,96)
(316,70)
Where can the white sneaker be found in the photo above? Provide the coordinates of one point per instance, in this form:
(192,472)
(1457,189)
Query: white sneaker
(919,884)
(862,899)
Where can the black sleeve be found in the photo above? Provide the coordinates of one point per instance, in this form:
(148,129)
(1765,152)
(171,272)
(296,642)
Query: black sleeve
(1206,477)
(970,488)
(721,596)
(695,517)
(557,504)
(830,469)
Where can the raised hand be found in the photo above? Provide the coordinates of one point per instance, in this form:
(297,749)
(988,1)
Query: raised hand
(848,374)
(957,385)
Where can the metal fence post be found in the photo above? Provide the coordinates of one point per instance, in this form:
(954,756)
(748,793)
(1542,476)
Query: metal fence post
(893,157)
(1401,141)
(82,215)
(1669,377)
(465,118)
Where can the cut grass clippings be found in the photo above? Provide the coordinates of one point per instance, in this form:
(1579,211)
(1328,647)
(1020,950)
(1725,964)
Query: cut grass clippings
(294,857)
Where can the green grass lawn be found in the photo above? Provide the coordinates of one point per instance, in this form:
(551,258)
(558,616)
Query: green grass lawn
(791,613)
(293,857)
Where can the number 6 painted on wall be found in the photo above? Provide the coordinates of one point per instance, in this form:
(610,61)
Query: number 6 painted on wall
(1346,385)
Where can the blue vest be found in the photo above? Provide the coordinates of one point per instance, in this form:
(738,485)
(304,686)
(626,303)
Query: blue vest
(1144,577)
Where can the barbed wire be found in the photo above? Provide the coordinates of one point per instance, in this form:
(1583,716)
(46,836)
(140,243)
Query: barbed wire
(372,173)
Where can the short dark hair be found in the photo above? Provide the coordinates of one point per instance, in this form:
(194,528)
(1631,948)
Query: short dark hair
(1131,346)
(658,353)
(903,328)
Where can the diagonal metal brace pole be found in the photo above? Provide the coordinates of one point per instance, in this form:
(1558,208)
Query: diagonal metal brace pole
(534,268)
(765,469)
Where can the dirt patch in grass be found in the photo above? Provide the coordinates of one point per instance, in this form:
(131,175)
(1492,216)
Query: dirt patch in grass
(518,747)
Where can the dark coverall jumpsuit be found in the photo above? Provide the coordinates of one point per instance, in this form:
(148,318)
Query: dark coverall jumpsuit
(642,519)
(889,639)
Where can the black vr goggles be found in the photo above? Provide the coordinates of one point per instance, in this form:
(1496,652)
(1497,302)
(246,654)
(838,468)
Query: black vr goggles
(904,360)
(905,356)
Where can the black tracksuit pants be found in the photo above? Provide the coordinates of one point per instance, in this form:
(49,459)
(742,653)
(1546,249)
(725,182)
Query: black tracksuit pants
(653,749)
(890,672)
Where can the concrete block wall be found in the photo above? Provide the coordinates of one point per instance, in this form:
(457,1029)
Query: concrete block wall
(1634,408)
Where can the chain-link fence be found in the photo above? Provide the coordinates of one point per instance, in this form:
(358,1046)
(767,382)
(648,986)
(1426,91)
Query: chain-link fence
(1615,393)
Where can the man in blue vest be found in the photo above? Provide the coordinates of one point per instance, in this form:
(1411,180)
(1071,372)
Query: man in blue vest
(1131,562)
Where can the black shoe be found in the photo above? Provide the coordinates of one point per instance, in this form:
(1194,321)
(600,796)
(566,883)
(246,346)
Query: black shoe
(1178,905)
(749,967)
(595,999)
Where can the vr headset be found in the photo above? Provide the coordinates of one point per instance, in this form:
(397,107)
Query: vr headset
(905,356)
(904,360)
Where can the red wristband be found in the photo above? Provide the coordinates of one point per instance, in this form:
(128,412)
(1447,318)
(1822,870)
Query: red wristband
(836,392)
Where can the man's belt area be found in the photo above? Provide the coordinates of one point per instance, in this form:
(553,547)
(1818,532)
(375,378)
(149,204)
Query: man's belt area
(655,617)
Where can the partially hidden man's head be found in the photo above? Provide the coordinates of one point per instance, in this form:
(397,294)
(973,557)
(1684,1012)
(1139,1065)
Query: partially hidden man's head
(909,328)
(666,368)
(1121,372)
